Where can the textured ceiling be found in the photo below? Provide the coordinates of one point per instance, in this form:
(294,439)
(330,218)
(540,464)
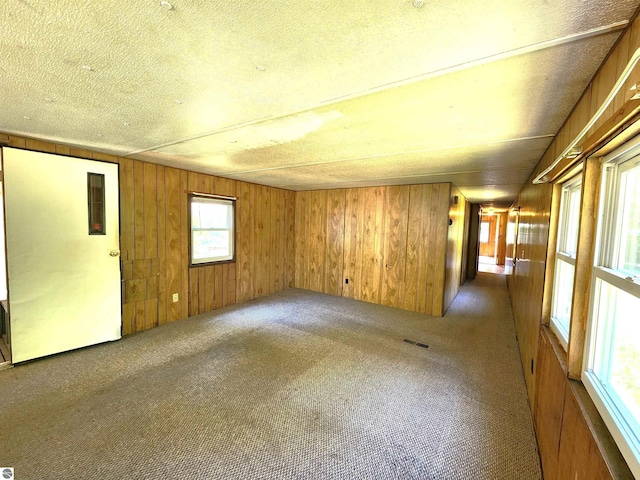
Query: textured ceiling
(305,94)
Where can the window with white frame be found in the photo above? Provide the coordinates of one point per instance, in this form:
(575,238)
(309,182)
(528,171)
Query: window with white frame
(212,236)
(484,232)
(567,246)
(612,350)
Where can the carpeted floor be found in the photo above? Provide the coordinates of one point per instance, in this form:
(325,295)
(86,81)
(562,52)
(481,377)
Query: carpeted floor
(294,385)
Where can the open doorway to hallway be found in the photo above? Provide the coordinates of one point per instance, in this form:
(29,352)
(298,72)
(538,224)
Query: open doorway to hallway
(492,241)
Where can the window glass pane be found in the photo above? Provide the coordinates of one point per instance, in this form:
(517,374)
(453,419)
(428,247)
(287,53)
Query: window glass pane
(562,297)
(629,248)
(210,215)
(95,183)
(208,244)
(573,221)
(484,232)
(617,347)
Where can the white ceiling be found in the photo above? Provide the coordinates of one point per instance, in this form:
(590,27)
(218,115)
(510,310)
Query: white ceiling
(306,94)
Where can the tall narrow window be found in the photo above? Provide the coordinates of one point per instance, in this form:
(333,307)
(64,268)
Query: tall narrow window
(568,228)
(212,229)
(484,232)
(95,182)
(612,353)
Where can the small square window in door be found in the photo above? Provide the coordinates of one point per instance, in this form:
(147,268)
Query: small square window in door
(95,195)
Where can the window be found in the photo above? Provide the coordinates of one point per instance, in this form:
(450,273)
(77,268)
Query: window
(95,194)
(484,232)
(568,227)
(212,229)
(612,352)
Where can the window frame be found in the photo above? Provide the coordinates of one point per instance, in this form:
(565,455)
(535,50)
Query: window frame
(220,199)
(562,254)
(605,270)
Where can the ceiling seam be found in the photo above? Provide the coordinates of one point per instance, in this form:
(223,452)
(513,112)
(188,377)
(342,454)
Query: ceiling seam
(383,155)
(597,31)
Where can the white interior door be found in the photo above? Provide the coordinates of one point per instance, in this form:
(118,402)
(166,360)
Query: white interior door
(64,283)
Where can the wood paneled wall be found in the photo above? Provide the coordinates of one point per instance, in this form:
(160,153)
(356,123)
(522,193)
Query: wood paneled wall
(567,444)
(154,240)
(457,234)
(389,243)
(527,283)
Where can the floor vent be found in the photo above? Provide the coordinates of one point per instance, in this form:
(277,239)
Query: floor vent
(418,344)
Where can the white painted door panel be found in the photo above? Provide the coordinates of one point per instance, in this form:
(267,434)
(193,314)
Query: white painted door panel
(64,286)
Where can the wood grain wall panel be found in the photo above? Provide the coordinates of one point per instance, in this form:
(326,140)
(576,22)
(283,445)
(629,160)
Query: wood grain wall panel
(127,211)
(579,456)
(300,270)
(456,244)
(162,240)
(352,254)
(245,241)
(218,286)
(551,380)
(334,242)
(372,244)
(318,239)
(290,239)
(502,237)
(150,210)
(262,247)
(414,250)
(441,249)
(431,244)
(396,211)
(173,268)
(184,244)
(426,257)
(383,240)
(138,194)
(277,224)
(527,282)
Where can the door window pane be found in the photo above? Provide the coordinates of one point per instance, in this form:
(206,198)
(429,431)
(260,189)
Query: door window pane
(95,183)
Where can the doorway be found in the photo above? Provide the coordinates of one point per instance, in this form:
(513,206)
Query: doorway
(492,242)
(62,240)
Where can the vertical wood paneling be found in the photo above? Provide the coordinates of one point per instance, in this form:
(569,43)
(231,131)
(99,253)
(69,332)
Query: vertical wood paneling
(138,195)
(456,241)
(162,239)
(354,231)
(317,242)
(549,407)
(184,244)
(276,240)
(432,241)
(414,232)
(290,239)
(173,272)
(262,239)
(193,185)
(334,242)
(245,241)
(441,250)
(150,210)
(127,210)
(383,240)
(395,245)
